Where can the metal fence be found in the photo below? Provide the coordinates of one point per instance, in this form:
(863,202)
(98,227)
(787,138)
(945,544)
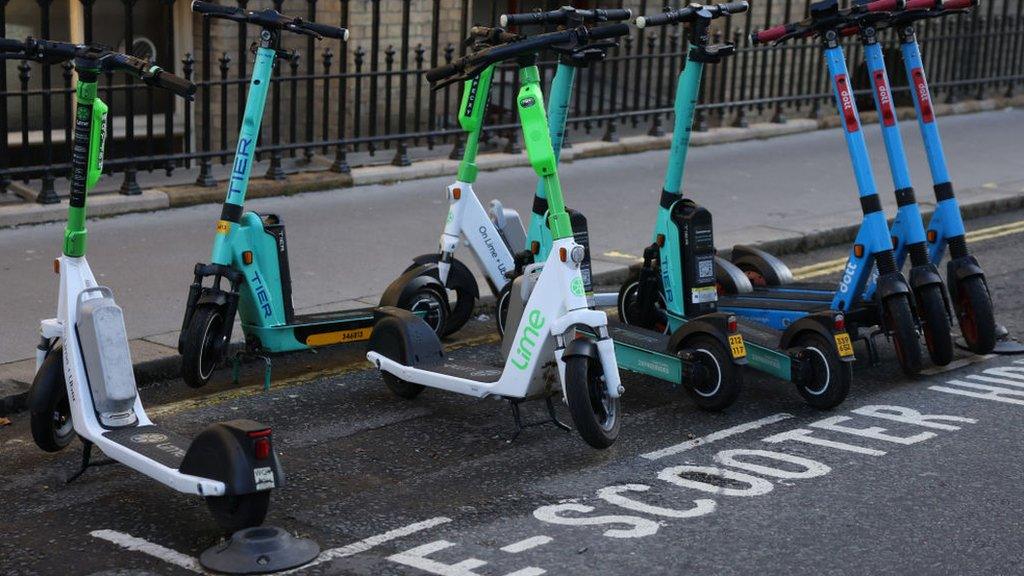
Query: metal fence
(368,99)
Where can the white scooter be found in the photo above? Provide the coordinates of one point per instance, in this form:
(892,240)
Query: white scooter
(560,341)
(84,382)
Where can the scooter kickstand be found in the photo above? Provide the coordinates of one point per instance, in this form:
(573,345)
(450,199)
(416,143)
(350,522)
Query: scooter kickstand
(520,425)
(554,416)
(87,462)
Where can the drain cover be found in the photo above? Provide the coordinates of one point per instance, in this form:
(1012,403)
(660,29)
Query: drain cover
(259,550)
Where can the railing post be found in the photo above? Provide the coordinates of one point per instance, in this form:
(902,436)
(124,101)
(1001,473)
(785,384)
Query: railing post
(340,161)
(47,194)
(187,64)
(205,177)
(5,180)
(130,185)
(401,151)
(325,112)
(274,170)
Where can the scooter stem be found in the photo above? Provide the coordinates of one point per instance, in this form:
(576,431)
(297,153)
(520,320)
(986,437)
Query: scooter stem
(86,157)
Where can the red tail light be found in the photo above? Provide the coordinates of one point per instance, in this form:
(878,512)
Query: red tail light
(260,433)
(262,448)
(839,323)
(732,325)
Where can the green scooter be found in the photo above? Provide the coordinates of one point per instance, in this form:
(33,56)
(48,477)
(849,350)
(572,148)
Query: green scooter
(249,274)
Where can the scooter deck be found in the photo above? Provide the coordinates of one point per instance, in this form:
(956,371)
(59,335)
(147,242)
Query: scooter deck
(792,292)
(162,446)
(757,300)
(334,317)
(759,334)
(480,371)
(637,337)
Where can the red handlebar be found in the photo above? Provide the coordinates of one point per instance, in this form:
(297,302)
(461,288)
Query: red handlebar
(959,4)
(922,4)
(770,34)
(883,6)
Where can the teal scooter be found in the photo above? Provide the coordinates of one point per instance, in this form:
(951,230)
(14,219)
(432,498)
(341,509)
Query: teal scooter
(248,274)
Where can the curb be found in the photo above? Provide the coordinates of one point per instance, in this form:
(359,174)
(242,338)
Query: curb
(104,205)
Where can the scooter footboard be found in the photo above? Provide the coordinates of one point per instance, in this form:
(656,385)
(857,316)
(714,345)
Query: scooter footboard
(239,453)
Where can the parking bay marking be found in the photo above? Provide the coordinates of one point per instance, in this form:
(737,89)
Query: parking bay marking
(739,429)
(129,542)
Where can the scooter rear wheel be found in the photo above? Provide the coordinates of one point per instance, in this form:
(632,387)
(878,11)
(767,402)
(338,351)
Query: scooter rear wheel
(899,321)
(462,283)
(719,384)
(50,418)
(595,414)
(431,303)
(628,306)
(931,309)
(199,358)
(830,377)
(239,511)
(974,312)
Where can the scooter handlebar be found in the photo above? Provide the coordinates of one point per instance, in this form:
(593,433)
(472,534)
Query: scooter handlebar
(211,9)
(562,16)
(8,45)
(771,34)
(959,4)
(441,72)
(691,12)
(172,82)
(326,30)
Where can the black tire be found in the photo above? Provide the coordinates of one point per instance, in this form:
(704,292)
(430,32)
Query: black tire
(431,301)
(830,377)
(234,513)
(627,305)
(198,357)
(501,308)
(975,315)
(899,321)
(393,347)
(460,281)
(935,324)
(52,428)
(757,277)
(595,415)
(721,382)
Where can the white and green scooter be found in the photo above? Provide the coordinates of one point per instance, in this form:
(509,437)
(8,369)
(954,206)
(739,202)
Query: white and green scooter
(84,384)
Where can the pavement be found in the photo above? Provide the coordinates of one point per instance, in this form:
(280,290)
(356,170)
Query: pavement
(790,192)
(908,476)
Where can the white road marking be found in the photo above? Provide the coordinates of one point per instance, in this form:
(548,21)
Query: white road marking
(190,563)
(129,542)
(714,436)
(417,558)
(956,364)
(526,544)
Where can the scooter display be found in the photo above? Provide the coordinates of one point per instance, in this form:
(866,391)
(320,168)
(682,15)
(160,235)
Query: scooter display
(496,236)
(872,291)
(248,274)
(551,350)
(675,288)
(84,383)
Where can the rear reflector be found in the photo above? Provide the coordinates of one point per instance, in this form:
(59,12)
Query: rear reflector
(262,448)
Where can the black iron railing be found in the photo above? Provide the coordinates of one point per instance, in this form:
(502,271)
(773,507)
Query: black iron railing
(367,101)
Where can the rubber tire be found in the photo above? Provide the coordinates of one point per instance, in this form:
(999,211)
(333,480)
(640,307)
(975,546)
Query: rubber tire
(237,512)
(899,320)
(974,307)
(394,349)
(931,311)
(410,301)
(47,437)
(501,308)
(462,282)
(582,390)
(839,374)
(628,291)
(729,381)
(196,342)
(757,278)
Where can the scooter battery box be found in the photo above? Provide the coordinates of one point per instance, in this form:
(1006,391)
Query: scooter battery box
(582,237)
(108,361)
(697,238)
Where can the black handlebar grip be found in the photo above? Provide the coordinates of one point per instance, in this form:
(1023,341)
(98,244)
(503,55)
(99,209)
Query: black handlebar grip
(11,45)
(441,72)
(670,17)
(213,9)
(507,20)
(610,31)
(615,14)
(737,7)
(326,30)
(174,83)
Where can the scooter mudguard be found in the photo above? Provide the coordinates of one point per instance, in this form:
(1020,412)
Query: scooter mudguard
(408,283)
(716,325)
(405,338)
(775,271)
(230,453)
(459,274)
(213,296)
(730,278)
(960,269)
(891,284)
(581,347)
(48,381)
(821,323)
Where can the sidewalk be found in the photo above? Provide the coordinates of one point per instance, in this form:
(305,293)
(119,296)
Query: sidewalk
(788,193)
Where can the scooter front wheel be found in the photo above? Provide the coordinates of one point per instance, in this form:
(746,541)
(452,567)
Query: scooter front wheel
(715,381)
(828,378)
(462,283)
(430,305)
(50,417)
(974,312)
(501,308)
(239,511)
(200,356)
(931,309)
(628,305)
(595,414)
(899,321)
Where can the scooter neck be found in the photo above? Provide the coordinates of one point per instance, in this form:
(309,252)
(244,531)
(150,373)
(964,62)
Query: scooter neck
(86,156)
(847,106)
(559,99)
(687,91)
(882,94)
(259,84)
(473,107)
(918,81)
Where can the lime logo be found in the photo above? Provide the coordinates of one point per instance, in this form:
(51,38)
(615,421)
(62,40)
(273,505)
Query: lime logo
(528,341)
(576,286)
(527,102)
(451,216)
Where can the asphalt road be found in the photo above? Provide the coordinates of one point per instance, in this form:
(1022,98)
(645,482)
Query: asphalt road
(349,244)
(432,486)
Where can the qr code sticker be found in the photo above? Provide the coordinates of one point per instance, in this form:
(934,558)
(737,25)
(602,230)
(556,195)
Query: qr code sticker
(706,269)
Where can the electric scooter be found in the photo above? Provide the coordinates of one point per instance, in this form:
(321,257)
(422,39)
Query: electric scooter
(84,383)
(551,350)
(496,236)
(248,274)
(872,291)
(676,285)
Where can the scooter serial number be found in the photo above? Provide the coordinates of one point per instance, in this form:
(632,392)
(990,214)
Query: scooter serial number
(736,346)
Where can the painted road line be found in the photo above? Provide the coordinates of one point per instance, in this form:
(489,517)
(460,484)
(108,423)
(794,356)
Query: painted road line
(135,544)
(129,542)
(714,436)
(956,364)
(527,544)
(622,255)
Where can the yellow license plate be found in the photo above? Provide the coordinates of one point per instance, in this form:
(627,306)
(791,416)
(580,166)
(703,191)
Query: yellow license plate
(328,338)
(736,346)
(844,345)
